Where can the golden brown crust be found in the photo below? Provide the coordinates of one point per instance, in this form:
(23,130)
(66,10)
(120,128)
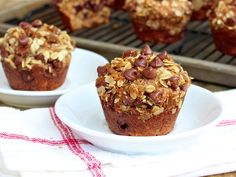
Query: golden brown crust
(78,14)
(123,123)
(37,79)
(142,85)
(201,9)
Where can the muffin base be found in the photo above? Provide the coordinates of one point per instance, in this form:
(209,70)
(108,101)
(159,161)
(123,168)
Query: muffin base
(37,79)
(225,40)
(131,125)
(145,33)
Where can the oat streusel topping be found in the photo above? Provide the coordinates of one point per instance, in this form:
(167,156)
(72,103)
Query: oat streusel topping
(223,15)
(171,15)
(35,43)
(143,80)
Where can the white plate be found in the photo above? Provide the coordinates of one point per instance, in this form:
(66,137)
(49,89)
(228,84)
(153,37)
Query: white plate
(82,111)
(82,71)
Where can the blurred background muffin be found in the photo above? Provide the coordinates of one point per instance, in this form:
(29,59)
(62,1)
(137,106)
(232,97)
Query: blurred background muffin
(142,92)
(161,21)
(35,56)
(78,14)
(223,25)
(201,8)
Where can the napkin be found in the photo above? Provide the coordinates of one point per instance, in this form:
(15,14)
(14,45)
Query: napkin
(35,143)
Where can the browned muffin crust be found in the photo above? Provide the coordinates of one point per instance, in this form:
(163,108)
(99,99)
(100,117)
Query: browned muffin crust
(164,17)
(223,24)
(78,14)
(35,56)
(142,92)
(201,9)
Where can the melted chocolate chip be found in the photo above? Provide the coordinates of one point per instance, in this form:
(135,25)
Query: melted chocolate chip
(101,70)
(26,76)
(129,53)
(22,51)
(37,23)
(141,61)
(131,74)
(18,60)
(39,57)
(156,96)
(156,62)
(230,22)
(56,64)
(162,55)
(25,25)
(149,73)
(23,40)
(127,100)
(124,126)
(146,50)
(174,82)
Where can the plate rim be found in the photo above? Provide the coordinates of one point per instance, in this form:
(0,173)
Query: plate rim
(56,92)
(137,138)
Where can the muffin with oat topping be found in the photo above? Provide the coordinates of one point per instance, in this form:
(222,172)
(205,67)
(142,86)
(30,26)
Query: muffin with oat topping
(162,21)
(142,92)
(223,25)
(35,56)
(78,14)
(201,8)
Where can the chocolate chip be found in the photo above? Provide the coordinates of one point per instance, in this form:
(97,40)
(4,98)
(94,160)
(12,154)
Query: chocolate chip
(100,82)
(22,51)
(162,55)
(23,40)
(156,62)
(101,70)
(26,76)
(56,64)
(156,96)
(146,50)
(18,60)
(37,23)
(25,25)
(131,74)
(124,126)
(230,22)
(174,82)
(149,73)
(141,61)
(39,57)
(127,100)
(129,53)
(184,87)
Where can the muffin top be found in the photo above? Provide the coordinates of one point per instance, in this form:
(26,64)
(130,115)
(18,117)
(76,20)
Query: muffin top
(35,43)
(198,4)
(223,15)
(142,80)
(168,14)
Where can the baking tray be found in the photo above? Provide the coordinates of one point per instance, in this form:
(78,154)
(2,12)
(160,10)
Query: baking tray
(196,51)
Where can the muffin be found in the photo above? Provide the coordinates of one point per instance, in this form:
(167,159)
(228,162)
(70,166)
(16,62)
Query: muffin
(78,14)
(142,92)
(223,26)
(201,8)
(162,21)
(35,56)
